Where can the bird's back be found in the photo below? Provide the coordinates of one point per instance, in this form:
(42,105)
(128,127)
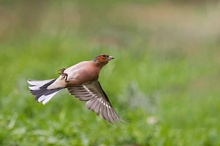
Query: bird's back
(78,74)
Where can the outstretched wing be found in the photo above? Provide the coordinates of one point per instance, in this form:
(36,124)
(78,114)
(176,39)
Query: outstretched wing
(97,100)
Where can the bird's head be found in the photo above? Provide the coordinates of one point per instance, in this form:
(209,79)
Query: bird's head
(102,59)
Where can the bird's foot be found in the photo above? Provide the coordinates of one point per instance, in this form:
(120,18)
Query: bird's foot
(61,71)
(65,75)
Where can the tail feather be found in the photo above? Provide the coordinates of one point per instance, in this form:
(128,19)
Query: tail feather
(40,91)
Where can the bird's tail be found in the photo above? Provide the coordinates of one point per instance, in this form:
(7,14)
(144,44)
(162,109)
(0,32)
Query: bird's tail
(40,91)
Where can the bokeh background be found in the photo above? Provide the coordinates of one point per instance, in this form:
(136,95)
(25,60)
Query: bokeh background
(164,80)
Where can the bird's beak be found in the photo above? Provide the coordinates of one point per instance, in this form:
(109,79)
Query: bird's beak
(110,58)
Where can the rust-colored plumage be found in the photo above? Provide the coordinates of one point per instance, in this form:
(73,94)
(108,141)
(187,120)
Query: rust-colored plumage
(81,80)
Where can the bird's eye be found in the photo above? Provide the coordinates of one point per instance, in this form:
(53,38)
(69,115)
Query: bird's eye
(104,56)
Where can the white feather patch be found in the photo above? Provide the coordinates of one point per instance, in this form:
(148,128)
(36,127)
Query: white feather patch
(34,87)
(40,99)
(88,90)
(46,98)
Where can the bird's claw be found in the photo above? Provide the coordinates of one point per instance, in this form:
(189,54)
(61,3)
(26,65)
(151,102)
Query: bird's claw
(61,71)
(65,75)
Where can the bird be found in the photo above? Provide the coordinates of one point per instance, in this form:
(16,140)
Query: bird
(81,80)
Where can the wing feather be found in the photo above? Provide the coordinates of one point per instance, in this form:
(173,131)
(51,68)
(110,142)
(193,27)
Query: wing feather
(97,100)
(104,113)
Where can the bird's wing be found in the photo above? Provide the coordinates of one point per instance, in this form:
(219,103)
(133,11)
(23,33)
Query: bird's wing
(97,100)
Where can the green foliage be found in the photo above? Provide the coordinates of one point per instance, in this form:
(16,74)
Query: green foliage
(164,82)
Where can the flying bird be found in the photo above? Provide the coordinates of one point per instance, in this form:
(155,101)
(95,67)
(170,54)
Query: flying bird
(81,80)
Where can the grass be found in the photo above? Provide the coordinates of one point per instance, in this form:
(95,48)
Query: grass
(163,81)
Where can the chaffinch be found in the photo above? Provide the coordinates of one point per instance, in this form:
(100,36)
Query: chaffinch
(81,80)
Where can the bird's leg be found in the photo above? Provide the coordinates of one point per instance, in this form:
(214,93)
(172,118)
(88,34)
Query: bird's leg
(65,75)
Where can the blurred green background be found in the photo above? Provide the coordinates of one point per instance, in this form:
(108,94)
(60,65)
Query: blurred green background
(164,80)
